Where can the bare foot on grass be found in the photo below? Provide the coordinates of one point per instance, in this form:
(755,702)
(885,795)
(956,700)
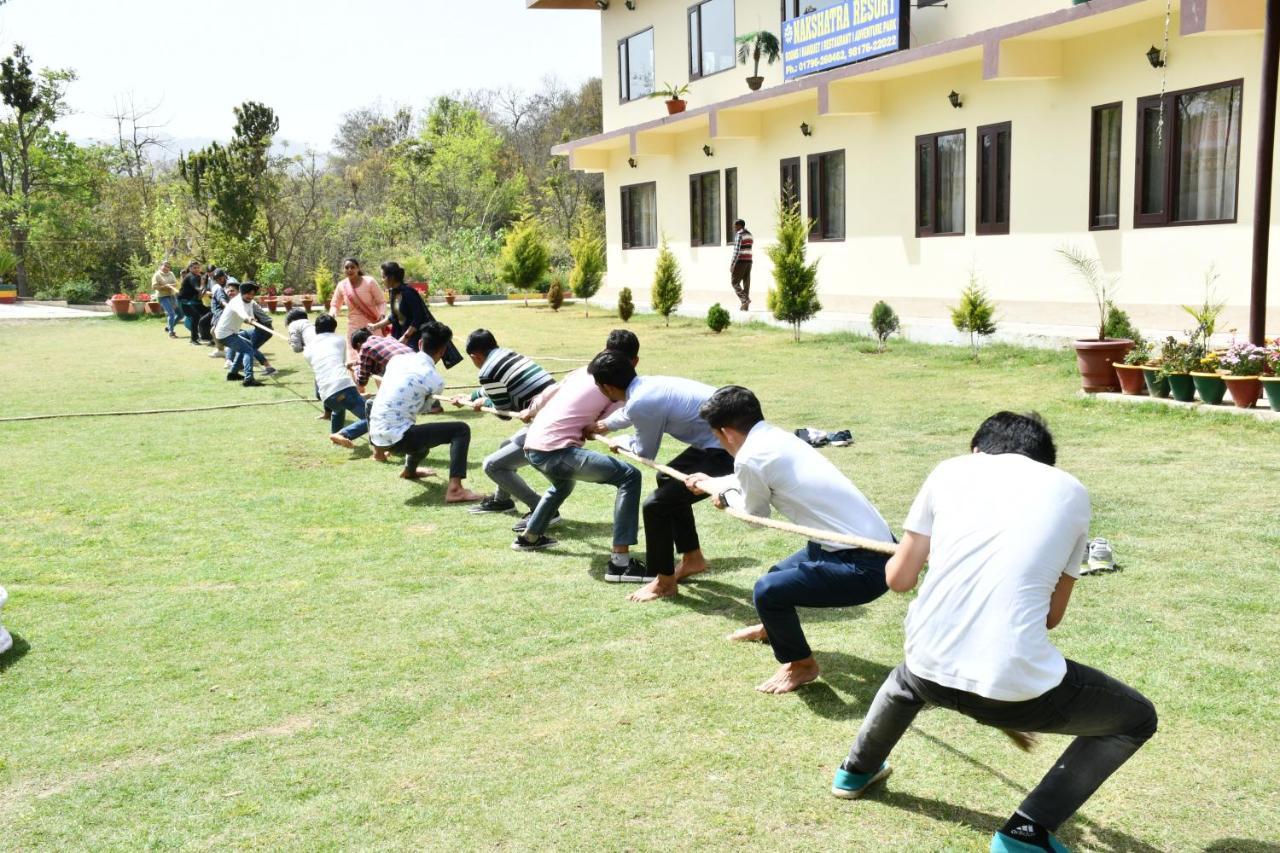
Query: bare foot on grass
(663,586)
(690,565)
(790,676)
(750,634)
(417,474)
(460,495)
(380,455)
(342,441)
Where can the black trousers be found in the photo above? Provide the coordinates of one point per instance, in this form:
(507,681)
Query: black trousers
(668,511)
(415,443)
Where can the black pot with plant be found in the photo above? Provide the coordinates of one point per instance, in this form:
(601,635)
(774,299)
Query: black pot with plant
(761,44)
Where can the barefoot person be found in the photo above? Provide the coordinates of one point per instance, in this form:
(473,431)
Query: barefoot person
(1003,532)
(407,387)
(773,467)
(326,353)
(509,383)
(657,406)
(562,415)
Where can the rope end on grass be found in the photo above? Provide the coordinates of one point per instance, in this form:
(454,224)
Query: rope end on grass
(1025,741)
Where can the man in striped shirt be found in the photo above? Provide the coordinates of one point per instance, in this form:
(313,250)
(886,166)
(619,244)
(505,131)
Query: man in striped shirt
(510,382)
(740,263)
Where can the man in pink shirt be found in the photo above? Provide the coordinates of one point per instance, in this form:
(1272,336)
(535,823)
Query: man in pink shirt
(562,416)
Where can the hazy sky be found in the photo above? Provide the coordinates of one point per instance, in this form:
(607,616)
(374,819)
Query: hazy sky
(310,60)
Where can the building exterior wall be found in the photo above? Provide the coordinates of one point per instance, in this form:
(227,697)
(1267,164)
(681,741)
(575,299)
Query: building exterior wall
(881,258)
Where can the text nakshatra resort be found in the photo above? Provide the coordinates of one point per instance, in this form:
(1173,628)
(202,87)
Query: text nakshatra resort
(928,142)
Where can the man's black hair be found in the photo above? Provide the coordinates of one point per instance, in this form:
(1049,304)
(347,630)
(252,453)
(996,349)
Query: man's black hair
(1010,432)
(295,314)
(434,336)
(358,337)
(612,367)
(326,323)
(623,341)
(248,287)
(393,271)
(732,406)
(481,341)
(740,223)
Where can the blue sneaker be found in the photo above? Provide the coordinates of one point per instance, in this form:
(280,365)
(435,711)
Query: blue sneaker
(851,786)
(1001,843)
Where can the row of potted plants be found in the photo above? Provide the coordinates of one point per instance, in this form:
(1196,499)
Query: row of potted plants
(1187,369)
(122,303)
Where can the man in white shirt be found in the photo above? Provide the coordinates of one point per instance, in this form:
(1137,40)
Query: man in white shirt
(326,352)
(774,468)
(1003,532)
(238,312)
(658,406)
(407,388)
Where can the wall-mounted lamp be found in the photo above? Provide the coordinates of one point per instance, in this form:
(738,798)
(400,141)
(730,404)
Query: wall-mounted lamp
(954,98)
(1155,57)
(631,4)
(602,4)
(631,161)
(805,130)
(706,149)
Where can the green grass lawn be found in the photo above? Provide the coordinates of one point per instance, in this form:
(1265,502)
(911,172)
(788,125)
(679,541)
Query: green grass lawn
(232,634)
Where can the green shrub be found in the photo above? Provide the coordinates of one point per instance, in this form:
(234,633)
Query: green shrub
(625,306)
(464,260)
(588,267)
(1119,326)
(668,284)
(976,313)
(82,292)
(271,274)
(795,298)
(718,318)
(884,322)
(555,292)
(525,257)
(323,280)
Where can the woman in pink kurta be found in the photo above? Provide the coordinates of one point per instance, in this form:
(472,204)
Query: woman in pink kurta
(365,301)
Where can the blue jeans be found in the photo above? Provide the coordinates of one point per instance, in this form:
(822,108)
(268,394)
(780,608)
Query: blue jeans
(814,577)
(242,354)
(171,313)
(566,467)
(337,405)
(501,467)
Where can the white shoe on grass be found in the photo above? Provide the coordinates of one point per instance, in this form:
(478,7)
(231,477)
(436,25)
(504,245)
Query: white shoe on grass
(1100,558)
(6,641)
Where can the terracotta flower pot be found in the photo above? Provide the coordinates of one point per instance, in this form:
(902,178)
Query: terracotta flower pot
(449,298)
(121,307)
(1132,380)
(1095,360)
(1210,387)
(675,105)
(1182,387)
(1245,390)
(307,302)
(1157,385)
(269,302)
(287,303)
(1271,385)
(754,83)
(154,308)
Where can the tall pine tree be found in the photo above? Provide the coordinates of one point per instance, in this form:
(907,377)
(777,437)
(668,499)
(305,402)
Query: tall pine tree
(668,283)
(795,299)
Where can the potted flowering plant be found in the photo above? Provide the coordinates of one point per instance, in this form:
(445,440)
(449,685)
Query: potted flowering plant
(308,299)
(1132,371)
(1271,381)
(1177,360)
(450,295)
(287,301)
(1208,380)
(1245,362)
(121,304)
(269,299)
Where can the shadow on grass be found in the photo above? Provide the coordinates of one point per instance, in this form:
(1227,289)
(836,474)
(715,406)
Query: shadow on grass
(857,678)
(1242,845)
(16,652)
(716,598)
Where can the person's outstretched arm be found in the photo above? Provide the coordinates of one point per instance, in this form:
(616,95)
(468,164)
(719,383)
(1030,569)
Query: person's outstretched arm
(903,569)
(1059,600)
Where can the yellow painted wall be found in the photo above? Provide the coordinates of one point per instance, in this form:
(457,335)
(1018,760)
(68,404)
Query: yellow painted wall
(1160,268)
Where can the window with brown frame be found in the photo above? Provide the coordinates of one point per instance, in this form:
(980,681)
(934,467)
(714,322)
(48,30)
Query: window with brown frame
(789,181)
(711,38)
(1188,152)
(1104,168)
(640,216)
(704,209)
(636,73)
(940,184)
(994,150)
(826,195)
(730,203)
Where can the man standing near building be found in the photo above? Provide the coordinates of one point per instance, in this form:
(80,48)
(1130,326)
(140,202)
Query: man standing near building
(1003,532)
(740,263)
(657,406)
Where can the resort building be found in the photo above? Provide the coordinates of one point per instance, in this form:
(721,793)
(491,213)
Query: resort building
(929,141)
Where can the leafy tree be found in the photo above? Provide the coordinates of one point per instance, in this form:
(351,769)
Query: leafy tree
(718,318)
(976,313)
(524,260)
(668,283)
(588,267)
(626,307)
(884,322)
(555,293)
(795,299)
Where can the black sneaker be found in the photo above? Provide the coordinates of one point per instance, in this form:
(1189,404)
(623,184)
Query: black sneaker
(494,504)
(634,572)
(523,523)
(268,371)
(251,383)
(521,544)
(234,376)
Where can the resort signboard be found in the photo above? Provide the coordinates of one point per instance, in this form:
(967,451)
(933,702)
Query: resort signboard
(844,32)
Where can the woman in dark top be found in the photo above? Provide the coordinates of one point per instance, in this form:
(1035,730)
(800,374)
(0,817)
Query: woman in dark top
(189,300)
(407,313)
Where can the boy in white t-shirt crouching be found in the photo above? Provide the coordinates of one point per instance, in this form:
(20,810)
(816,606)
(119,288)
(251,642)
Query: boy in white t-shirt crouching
(1003,532)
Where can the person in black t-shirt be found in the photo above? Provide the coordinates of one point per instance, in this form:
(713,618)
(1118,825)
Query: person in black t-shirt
(189,300)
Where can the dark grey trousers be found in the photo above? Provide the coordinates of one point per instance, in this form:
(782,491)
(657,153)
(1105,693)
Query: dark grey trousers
(1110,720)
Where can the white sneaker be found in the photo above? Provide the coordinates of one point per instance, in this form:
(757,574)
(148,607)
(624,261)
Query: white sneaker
(1100,558)
(216,354)
(6,642)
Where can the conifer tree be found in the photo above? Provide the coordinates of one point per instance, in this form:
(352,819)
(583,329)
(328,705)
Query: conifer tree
(668,284)
(795,298)
(626,307)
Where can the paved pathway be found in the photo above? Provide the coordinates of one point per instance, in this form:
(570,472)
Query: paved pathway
(43,312)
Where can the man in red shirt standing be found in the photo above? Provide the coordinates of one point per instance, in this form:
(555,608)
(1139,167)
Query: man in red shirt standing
(740,263)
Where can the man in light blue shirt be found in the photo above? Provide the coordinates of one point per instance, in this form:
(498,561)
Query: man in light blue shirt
(656,406)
